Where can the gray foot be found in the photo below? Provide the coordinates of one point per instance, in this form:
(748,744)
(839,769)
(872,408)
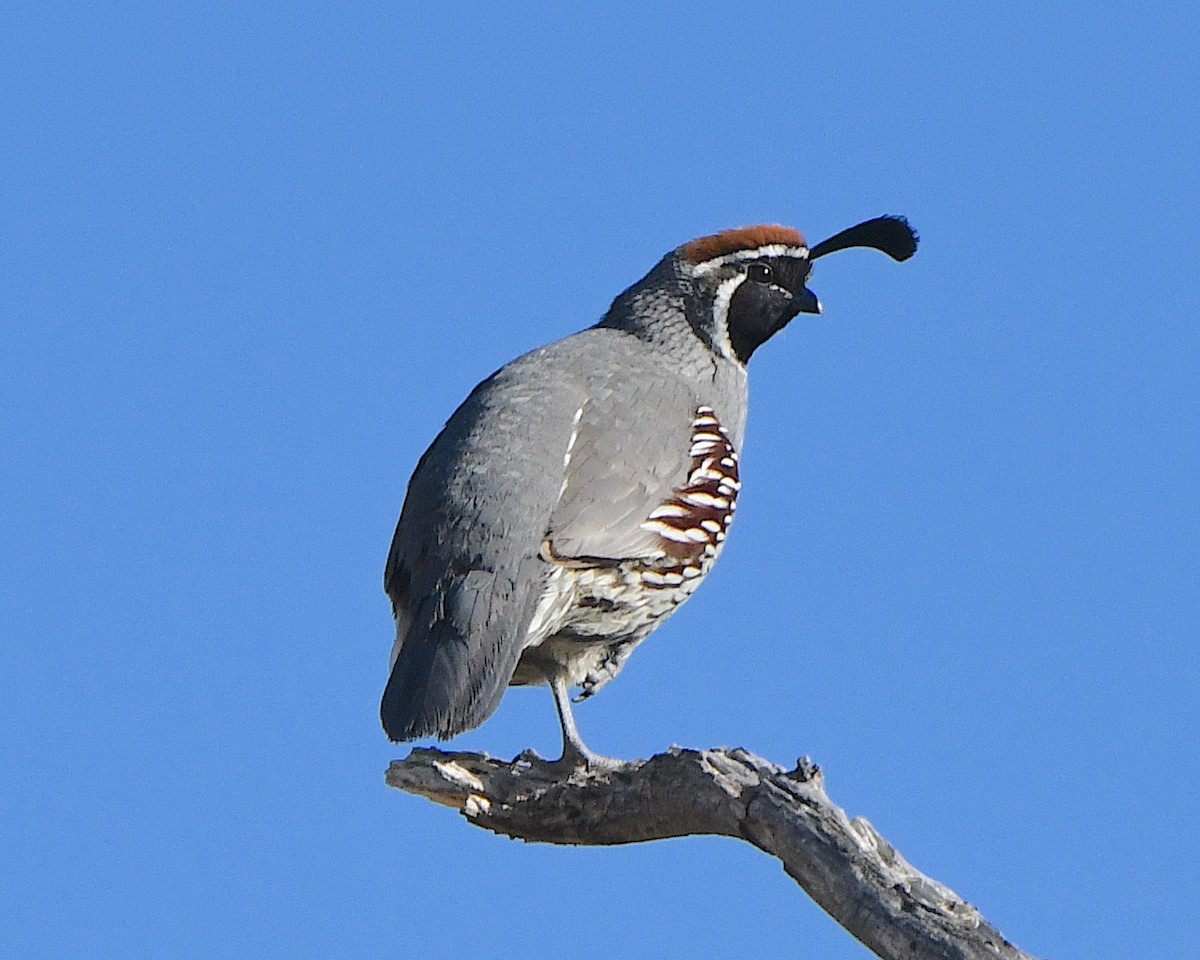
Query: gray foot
(574,758)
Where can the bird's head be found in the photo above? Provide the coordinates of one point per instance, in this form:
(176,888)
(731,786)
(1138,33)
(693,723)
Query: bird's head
(741,287)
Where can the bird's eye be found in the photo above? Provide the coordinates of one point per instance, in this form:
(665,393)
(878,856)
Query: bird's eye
(760,273)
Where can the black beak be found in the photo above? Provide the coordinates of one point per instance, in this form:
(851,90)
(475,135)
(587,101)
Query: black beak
(807,301)
(890,235)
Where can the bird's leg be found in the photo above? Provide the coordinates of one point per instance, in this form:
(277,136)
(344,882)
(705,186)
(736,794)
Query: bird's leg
(575,752)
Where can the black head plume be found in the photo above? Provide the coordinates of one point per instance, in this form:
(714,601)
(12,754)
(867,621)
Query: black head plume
(890,235)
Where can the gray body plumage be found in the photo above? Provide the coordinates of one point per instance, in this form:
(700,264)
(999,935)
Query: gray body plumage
(567,449)
(582,492)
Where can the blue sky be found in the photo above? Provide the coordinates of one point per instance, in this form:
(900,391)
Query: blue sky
(252,260)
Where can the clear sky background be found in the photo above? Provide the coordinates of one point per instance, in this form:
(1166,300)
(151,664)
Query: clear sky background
(252,258)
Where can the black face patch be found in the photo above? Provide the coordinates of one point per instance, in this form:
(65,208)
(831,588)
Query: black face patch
(765,302)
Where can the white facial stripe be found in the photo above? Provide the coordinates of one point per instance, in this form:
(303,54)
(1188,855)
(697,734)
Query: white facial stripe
(725,291)
(771,250)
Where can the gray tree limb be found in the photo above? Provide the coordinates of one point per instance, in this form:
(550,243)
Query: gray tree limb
(855,875)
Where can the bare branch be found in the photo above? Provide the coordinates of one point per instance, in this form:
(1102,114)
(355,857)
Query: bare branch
(844,865)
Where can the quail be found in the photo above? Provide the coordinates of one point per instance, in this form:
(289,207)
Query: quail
(582,492)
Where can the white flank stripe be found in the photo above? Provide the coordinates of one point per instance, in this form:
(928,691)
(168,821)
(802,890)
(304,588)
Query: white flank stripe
(668,510)
(667,531)
(701,499)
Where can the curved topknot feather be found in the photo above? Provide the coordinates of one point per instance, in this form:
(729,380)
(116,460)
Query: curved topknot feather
(889,234)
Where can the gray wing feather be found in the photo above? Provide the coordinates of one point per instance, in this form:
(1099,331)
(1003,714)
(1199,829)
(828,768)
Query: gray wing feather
(631,453)
(465,572)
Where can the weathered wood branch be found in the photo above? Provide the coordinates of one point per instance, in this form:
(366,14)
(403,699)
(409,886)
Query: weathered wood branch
(845,865)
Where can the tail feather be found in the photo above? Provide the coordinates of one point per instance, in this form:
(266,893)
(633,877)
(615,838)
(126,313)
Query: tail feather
(431,691)
(438,598)
(454,662)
